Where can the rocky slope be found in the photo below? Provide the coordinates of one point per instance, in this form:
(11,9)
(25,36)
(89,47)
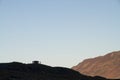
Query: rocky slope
(106,66)
(35,71)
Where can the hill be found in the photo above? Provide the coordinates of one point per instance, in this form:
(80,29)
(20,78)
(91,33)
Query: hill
(36,71)
(105,66)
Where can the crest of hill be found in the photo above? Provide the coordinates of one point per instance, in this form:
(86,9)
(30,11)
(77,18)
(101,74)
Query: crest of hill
(105,66)
(36,71)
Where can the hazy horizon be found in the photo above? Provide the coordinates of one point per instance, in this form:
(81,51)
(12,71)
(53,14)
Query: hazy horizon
(58,33)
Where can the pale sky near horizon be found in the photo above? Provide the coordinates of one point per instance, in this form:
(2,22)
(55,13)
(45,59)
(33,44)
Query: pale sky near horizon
(58,32)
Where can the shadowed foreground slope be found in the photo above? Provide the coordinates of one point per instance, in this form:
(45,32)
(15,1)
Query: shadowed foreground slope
(20,71)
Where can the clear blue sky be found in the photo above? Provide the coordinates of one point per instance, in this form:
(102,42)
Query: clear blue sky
(58,32)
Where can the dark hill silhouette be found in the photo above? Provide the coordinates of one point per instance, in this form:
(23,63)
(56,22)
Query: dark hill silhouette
(106,66)
(21,71)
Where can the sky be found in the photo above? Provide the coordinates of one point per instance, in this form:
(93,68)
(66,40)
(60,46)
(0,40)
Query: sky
(58,32)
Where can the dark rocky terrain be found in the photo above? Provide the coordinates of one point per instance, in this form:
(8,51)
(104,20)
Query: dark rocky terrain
(106,66)
(36,71)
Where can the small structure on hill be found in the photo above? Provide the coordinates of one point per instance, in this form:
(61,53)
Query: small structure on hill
(36,62)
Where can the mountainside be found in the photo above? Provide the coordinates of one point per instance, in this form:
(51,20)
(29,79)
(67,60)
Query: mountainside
(106,66)
(35,71)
